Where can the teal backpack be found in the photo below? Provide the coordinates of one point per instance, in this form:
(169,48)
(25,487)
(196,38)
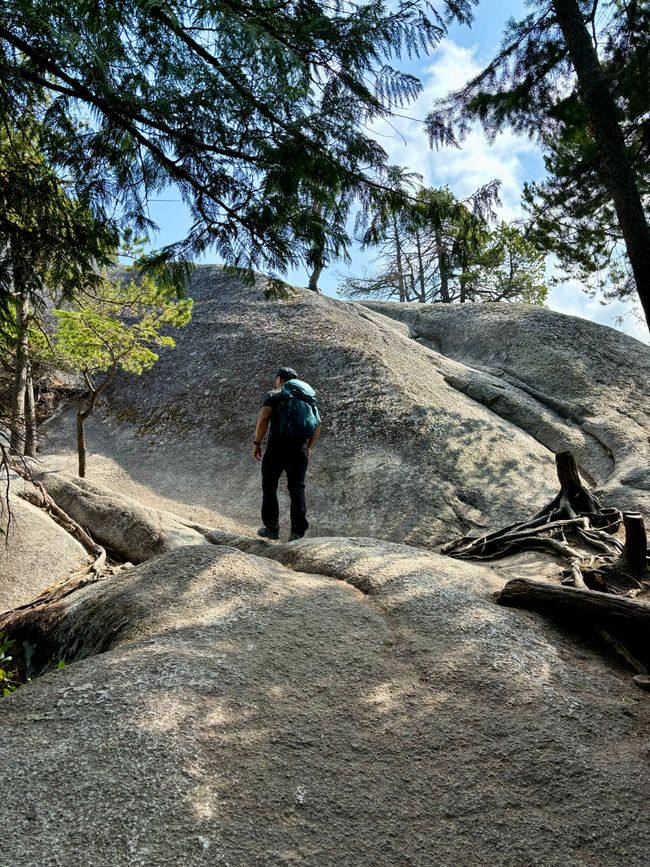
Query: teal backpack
(298,414)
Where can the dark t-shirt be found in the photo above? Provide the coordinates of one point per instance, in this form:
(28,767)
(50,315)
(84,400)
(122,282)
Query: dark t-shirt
(272,399)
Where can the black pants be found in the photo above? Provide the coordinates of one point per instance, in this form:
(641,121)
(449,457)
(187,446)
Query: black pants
(289,457)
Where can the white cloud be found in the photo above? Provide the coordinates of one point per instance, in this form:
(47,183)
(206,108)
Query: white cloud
(477,162)
(511,158)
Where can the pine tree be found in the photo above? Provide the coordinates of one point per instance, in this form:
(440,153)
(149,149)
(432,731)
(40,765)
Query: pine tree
(431,247)
(553,79)
(249,109)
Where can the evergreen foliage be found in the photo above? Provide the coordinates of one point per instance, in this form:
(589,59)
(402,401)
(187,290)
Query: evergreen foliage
(433,247)
(118,327)
(249,108)
(47,236)
(578,93)
(571,209)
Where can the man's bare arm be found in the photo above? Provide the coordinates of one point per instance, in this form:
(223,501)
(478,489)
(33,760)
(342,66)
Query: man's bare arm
(312,439)
(260,431)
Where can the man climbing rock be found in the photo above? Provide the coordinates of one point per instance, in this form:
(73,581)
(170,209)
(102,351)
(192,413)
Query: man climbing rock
(295,425)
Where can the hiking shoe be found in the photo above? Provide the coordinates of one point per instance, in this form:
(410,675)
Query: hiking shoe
(268,533)
(295,536)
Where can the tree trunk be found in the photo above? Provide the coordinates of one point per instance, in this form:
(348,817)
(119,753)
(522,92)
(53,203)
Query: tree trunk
(398,254)
(423,292)
(635,553)
(583,604)
(567,472)
(30,414)
(443,270)
(414,292)
(83,413)
(18,427)
(314,277)
(316,256)
(612,151)
(81,443)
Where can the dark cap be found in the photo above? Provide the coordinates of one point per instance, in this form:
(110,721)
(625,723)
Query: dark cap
(286,373)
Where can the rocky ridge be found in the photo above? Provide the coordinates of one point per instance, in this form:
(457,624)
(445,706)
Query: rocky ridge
(341,699)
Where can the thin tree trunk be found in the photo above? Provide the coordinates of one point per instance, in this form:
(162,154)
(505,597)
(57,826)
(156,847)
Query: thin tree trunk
(30,414)
(82,415)
(442,268)
(314,277)
(423,294)
(612,151)
(398,254)
(414,292)
(316,257)
(18,431)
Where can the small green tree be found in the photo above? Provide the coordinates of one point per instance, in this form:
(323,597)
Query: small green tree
(509,267)
(117,328)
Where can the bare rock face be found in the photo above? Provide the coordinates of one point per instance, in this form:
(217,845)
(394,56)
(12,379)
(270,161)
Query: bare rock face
(221,708)
(36,554)
(134,532)
(571,384)
(338,700)
(419,445)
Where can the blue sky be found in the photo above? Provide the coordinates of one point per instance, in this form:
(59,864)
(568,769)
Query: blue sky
(513,159)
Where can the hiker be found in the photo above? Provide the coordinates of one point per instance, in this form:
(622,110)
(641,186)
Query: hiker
(295,425)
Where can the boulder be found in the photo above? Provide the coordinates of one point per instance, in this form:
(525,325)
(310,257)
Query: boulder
(571,384)
(365,704)
(423,439)
(36,552)
(131,531)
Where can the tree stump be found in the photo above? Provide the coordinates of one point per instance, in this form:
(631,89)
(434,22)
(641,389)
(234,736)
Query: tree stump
(635,552)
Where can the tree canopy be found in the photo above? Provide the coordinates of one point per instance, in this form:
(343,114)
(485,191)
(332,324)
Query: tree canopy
(46,235)
(571,209)
(432,247)
(575,76)
(250,109)
(118,327)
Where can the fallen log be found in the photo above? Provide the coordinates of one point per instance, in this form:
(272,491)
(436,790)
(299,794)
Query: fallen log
(589,605)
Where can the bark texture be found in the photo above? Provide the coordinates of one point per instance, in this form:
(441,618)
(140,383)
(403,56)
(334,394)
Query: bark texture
(615,162)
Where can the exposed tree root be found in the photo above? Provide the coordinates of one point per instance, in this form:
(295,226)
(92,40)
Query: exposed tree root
(574,516)
(41,498)
(30,624)
(603,586)
(96,570)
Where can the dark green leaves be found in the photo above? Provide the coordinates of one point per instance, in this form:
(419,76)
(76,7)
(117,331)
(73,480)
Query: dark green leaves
(247,108)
